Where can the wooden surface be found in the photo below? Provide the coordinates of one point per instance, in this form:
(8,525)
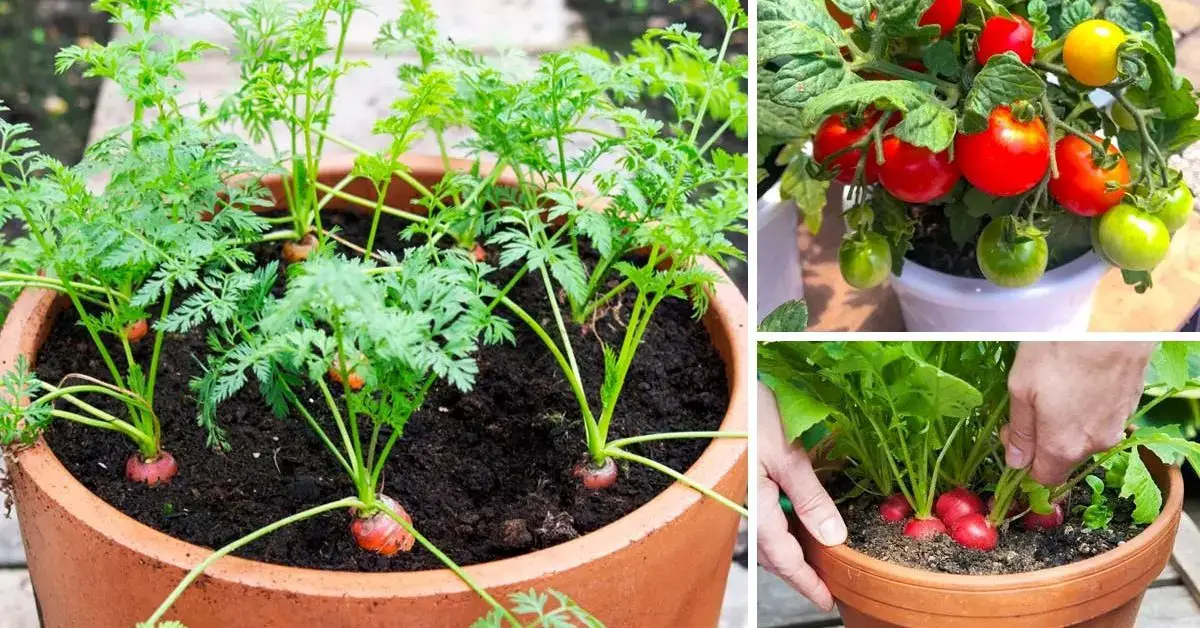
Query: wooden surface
(835,306)
(1167,603)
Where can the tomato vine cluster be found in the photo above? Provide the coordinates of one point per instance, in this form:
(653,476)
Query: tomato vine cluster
(1029,133)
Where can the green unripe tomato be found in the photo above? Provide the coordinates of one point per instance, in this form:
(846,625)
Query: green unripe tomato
(865,263)
(1123,117)
(1133,239)
(1011,262)
(1177,207)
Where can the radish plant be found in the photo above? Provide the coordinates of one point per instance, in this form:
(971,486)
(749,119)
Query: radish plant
(913,426)
(163,241)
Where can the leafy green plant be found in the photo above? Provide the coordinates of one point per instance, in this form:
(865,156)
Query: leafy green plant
(914,117)
(170,228)
(921,421)
(661,198)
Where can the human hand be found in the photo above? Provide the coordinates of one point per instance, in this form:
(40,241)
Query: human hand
(1070,400)
(782,466)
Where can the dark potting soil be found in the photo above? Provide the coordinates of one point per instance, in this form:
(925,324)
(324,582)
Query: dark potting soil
(933,247)
(485,475)
(1018,551)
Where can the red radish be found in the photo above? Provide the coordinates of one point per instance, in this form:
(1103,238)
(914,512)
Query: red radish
(295,252)
(151,472)
(975,531)
(381,534)
(895,509)
(356,381)
(1034,521)
(1014,508)
(955,503)
(596,478)
(137,330)
(480,254)
(924,529)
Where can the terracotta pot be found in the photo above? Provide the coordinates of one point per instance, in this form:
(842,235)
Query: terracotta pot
(1104,591)
(664,565)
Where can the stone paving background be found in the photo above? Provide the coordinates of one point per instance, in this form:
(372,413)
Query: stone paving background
(535,26)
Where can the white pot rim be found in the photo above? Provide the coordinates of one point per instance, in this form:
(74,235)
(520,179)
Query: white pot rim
(969,293)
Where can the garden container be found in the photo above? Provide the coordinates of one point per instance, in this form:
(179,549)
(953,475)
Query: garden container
(663,565)
(1104,591)
(1061,301)
(779,252)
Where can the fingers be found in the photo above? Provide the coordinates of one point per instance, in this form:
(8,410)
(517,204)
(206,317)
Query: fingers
(1020,435)
(812,503)
(780,553)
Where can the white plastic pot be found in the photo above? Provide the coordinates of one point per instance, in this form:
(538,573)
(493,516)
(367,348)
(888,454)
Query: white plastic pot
(779,251)
(1060,302)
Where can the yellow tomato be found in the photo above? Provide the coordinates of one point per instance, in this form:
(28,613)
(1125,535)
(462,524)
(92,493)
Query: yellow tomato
(1091,52)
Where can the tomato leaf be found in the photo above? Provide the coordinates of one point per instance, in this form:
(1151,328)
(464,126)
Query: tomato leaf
(1134,15)
(1098,514)
(1074,13)
(809,194)
(776,123)
(1039,19)
(942,59)
(1003,81)
(1139,485)
(1139,279)
(789,317)
(900,18)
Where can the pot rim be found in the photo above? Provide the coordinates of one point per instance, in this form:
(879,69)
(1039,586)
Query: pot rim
(1108,561)
(727,313)
(971,293)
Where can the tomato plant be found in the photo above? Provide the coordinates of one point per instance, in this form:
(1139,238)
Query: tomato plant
(1001,35)
(991,114)
(1011,256)
(1011,157)
(1083,186)
(1091,50)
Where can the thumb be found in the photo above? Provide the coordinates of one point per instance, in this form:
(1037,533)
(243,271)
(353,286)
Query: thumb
(812,503)
(1020,434)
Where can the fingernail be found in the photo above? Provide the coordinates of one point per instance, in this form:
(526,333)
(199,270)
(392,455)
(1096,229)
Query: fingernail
(1016,457)
(832,531)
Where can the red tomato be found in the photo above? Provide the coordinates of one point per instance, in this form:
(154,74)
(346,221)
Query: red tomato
(839,16)
(834,135)
(1007,159)
(1001,35)
(914,174)
(943,13)
(1082,186)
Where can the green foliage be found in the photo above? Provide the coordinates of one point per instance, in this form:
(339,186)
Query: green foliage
(534,610)
(789,317)
(172,220)
(921,417)
(810,68)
